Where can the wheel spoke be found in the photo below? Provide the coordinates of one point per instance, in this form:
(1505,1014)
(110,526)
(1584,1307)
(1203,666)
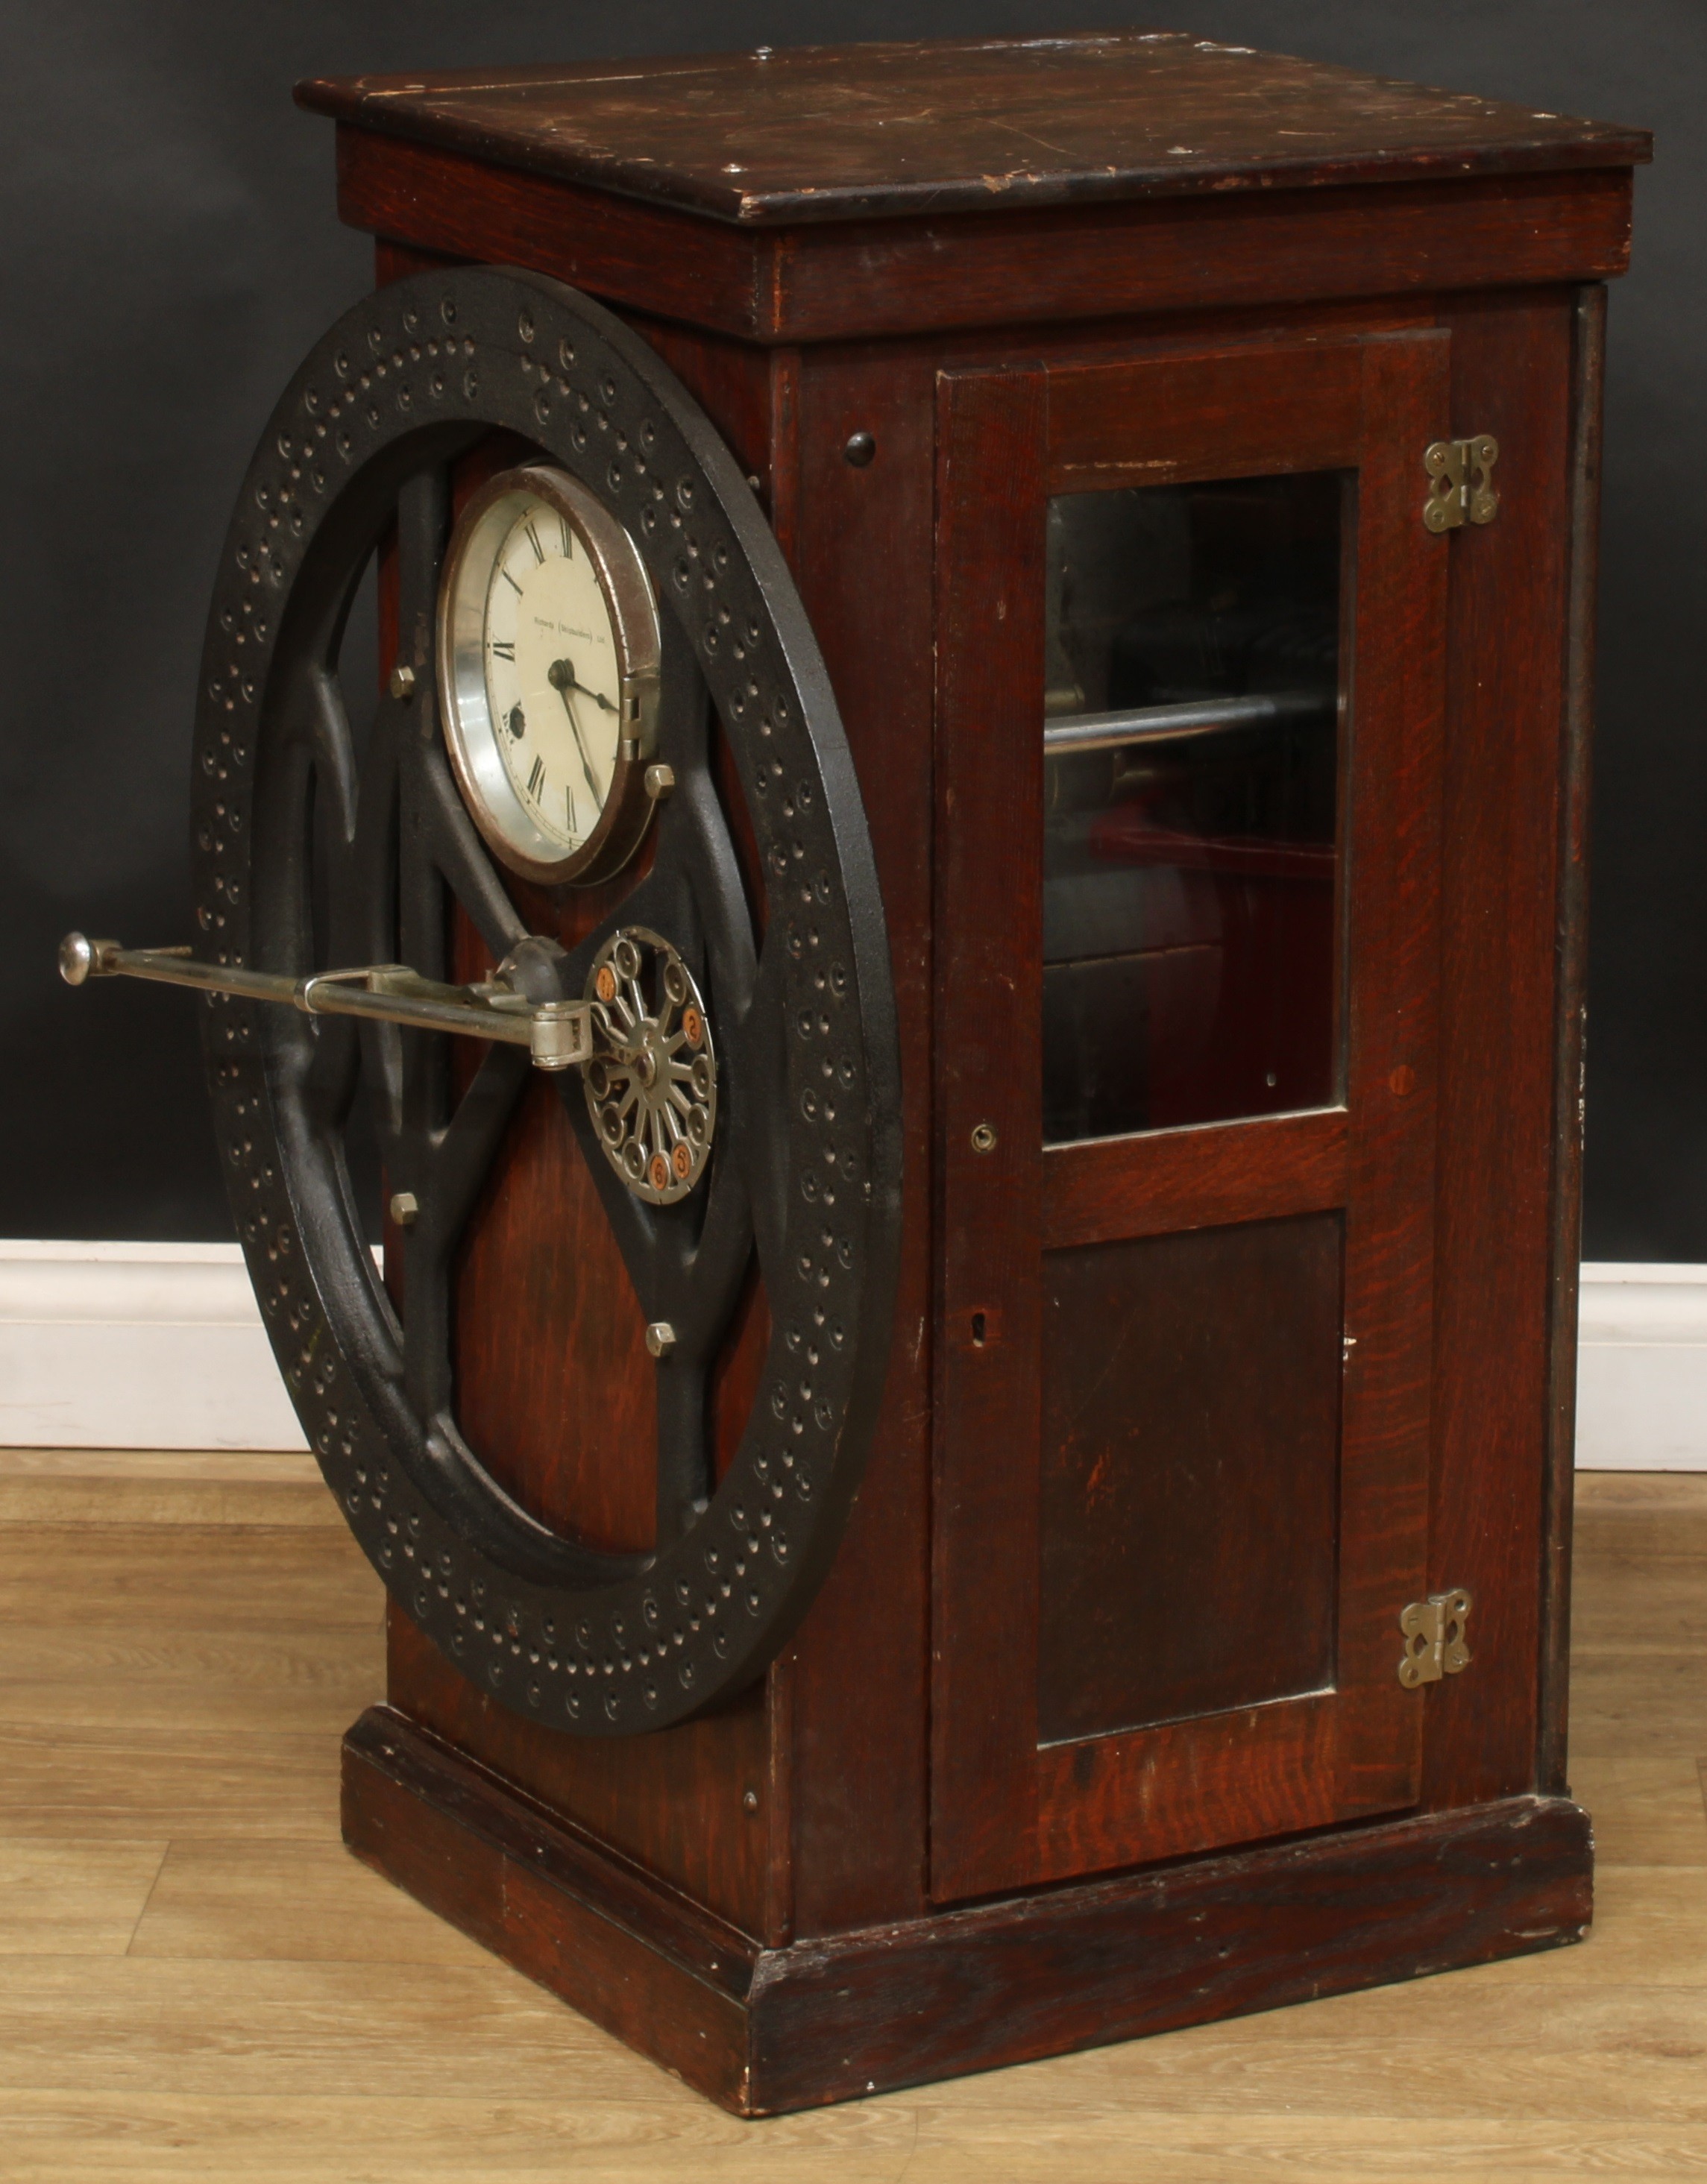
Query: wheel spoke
(364,913)
(327,725)
(427,1359)
(466,1151)
(423,529)
(444,1172)
(330,1083)
(685,1483)
(458,855)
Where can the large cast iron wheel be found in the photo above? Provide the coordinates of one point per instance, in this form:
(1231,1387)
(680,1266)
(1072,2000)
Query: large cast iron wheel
(316,847)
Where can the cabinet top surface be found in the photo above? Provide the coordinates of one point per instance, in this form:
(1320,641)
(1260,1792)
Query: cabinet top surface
(837,132)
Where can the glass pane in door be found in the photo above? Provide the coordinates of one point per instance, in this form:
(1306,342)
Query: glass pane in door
(1192,827)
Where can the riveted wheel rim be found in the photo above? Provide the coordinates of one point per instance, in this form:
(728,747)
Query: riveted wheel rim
(405,372)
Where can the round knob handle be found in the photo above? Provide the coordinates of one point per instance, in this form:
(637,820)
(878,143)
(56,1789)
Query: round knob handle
(76,958)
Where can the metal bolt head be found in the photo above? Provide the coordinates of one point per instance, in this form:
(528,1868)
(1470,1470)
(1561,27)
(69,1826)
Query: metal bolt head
(860,449)
(749,1801)
(402,682)
(659,781)
(76,958)
(660,1339)
(983,1137)
(404,1207)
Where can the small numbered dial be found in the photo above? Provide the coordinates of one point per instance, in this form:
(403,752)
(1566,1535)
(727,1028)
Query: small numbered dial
(547,659)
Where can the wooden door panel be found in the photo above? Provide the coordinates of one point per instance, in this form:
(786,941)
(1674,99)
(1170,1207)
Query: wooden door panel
(1174,1740)
(1191,1394)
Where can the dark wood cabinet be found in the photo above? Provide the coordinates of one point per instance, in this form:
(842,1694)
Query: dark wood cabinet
(1228,816)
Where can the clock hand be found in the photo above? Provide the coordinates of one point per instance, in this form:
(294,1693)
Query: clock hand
(561,677)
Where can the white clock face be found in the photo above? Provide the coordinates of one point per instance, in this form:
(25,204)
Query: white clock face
(548,660)
(553,684)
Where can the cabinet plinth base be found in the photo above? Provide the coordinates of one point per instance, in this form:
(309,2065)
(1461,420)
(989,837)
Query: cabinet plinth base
(762,2030)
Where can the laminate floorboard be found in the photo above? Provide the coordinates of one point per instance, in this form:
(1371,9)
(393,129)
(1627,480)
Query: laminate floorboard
(198,1982)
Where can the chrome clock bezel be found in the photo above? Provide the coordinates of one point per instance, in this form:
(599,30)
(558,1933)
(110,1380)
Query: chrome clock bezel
(472,735)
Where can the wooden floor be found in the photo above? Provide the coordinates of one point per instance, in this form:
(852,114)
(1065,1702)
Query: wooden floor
(197,1981)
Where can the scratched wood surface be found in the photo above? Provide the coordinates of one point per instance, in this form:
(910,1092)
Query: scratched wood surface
(200,1983)
(837,132)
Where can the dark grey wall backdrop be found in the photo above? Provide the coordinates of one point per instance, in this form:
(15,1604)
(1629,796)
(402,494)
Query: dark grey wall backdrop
(170,246)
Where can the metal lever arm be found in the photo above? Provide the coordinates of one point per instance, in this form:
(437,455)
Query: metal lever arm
(558,1035)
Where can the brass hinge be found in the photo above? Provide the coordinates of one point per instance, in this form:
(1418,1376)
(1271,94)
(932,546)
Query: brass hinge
(1461,491)
(1434,1638)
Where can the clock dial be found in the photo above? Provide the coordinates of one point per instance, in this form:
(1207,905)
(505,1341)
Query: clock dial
(548,662)
(554,682)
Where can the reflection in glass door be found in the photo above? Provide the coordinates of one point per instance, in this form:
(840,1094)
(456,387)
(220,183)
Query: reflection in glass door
(1193,761)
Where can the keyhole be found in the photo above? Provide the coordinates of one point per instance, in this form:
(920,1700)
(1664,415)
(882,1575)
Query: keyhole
(978,1330)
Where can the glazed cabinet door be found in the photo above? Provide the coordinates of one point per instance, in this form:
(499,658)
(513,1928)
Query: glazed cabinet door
(1190,667)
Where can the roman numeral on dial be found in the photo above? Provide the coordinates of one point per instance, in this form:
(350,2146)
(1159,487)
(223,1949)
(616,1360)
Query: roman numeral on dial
(502,651)
(536,780)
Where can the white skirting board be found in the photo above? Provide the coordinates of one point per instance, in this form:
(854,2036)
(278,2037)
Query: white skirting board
(161,1345)
(1642,1367)
(136,1345)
